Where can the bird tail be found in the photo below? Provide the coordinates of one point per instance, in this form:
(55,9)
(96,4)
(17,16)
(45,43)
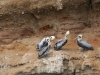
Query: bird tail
(37,48)
(55,47)
(39,56)
(92,48)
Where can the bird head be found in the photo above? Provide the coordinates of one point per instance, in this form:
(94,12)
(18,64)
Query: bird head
(52,37)
(67,33)
(48,39)
(80,36)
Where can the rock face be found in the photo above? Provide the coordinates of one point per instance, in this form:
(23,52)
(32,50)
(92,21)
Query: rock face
(23,23)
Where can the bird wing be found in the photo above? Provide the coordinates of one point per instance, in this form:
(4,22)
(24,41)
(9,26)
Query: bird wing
(42,43)
(59,41)
(45,43)
(48,48)
(37,47)
(86,44)
(44,50)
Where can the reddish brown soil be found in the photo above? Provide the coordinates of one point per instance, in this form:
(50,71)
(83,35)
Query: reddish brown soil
(24,23)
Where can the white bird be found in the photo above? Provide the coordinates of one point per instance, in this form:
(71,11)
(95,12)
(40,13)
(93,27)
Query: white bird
(84,44)
(58,45)
(45,49)
(44,42)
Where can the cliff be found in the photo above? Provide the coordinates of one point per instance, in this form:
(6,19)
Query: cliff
(23,23)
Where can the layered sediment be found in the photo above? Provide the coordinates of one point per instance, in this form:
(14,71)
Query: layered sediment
(24,23)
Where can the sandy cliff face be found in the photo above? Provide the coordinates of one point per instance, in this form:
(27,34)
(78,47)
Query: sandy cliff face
(23,23)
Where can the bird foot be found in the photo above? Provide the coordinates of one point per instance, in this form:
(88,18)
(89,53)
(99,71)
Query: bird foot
(58,49)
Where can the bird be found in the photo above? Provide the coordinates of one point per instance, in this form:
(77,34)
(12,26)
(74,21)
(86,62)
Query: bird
(60,43)
(44,42)
(84,44)
(45,49)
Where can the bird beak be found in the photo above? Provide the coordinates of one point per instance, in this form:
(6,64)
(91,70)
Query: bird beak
(75,39)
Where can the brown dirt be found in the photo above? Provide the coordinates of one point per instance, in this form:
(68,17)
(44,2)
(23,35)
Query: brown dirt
(25,23)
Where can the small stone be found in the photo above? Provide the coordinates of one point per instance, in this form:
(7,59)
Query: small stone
(23,12)
(6,57)
(17,54)
(0,15)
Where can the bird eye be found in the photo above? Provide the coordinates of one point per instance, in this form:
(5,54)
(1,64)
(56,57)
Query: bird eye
(47,40)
